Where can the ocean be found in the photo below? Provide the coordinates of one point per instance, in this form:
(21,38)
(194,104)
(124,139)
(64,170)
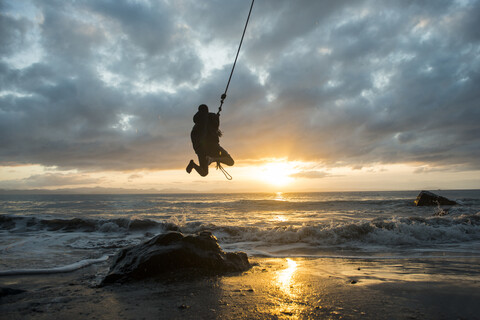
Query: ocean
(61,233)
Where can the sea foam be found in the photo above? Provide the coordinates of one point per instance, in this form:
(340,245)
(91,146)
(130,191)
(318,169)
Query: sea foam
(63,269)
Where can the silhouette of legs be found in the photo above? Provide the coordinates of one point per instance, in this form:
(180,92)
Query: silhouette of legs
(202,169)
(190,166)
(221,155)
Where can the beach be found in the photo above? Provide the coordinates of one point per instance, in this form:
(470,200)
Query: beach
(371,255)
(274,288)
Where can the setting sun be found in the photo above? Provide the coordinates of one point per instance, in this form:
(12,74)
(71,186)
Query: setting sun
(277,173)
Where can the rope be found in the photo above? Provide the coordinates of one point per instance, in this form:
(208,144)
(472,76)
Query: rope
(224,95)
(225,173)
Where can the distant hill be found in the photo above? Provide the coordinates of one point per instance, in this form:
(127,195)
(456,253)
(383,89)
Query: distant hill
(97,190)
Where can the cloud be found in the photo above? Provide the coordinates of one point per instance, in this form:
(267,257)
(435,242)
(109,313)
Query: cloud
(12,32)
(114,84)
(148,25)
(50,180)
(312,174)
(134,176)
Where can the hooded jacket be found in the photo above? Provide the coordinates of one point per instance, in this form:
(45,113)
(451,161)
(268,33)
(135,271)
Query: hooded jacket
(205,133)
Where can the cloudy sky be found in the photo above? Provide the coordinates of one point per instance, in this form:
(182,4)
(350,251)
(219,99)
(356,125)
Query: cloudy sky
(326,95)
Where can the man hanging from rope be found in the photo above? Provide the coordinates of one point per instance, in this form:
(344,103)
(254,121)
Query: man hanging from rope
(205,133)
(205,139)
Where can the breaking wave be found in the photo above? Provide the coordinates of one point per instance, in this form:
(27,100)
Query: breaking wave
(15,223)
(396,231)
(390,232)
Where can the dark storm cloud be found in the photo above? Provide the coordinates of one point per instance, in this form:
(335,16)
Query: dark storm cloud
(12,31)
(148,25)
(428,92)
(114,84)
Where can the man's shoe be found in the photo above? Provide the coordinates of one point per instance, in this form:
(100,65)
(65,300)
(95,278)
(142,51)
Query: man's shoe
(190,166)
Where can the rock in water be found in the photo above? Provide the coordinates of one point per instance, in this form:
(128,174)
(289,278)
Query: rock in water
(172,252)
(9,291)
(427,198)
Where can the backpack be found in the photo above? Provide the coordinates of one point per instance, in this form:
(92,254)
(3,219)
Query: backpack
(213,131)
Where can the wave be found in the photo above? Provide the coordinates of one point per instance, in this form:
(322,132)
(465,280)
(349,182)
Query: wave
(64,269)
(16,223)
(395,231)
(269,204)
(390,232)
(248,205)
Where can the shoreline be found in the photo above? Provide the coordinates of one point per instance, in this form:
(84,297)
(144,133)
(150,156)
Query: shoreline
(274,288)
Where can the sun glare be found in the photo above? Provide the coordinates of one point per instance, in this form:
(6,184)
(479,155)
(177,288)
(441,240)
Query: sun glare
(277,173)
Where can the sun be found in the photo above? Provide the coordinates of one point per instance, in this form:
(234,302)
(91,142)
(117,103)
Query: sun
(276,173)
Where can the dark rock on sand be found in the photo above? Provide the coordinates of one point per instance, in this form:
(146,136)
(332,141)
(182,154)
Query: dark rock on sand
(9,291)
(173,252)
(427,198)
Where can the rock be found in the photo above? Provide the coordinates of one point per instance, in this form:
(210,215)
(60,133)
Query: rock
(9,291)
(174,252)
(427,198)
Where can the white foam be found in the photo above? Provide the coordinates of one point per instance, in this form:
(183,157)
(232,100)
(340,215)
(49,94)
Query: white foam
(64,269)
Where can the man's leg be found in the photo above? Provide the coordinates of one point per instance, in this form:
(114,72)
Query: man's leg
(202,169)
(190,166)
(224,157)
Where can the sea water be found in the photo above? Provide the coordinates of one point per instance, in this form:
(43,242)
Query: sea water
(60,233)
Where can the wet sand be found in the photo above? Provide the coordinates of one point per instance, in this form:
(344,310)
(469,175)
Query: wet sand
(296,288)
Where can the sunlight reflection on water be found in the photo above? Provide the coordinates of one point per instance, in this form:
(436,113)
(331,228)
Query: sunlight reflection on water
(279,196)
(285,277)
(288,306)
(280,219)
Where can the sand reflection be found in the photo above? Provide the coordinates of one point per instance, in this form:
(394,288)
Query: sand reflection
(289,301)
(285,278)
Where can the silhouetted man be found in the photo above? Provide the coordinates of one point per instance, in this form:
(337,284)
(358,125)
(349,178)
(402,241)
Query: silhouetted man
(205,139)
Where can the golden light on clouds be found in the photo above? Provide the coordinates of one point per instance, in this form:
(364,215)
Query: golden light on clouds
(266,175)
